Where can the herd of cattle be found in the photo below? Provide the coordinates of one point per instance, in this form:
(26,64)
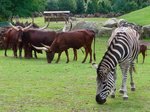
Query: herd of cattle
(31,38)
(37,39)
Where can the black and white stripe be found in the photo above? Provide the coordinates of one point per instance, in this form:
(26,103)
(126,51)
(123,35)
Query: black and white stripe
(122,49)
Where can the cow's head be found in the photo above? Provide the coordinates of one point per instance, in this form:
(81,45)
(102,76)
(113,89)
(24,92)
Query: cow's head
(19,29)
(49,53)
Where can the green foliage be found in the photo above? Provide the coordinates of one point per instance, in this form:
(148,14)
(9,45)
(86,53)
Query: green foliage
(5,9)
(121,6)
(52,5)
(20,7)
(130,6)
(27,7)
(80,6)
(140,16)
(67,5)
(104,6)
(92,7)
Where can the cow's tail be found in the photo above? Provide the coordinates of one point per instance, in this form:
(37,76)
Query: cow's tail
(94,54)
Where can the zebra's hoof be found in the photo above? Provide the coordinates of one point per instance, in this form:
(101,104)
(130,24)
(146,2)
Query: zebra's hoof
(112,96)
(121,91)
(132,89)
(125,98)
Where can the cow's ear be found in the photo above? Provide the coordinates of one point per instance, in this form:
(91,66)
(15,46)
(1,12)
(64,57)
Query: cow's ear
(94,65)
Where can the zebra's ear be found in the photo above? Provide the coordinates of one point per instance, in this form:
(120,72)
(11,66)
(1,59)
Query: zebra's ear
(94,65)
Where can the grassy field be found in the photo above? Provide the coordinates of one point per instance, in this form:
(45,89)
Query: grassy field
(33,85)
(140,16)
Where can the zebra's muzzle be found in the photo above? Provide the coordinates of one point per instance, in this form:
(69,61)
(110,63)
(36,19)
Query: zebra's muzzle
(99,100)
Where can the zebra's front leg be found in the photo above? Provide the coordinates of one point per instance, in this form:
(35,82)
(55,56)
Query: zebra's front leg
(123,89)
(132,68)
(112,94)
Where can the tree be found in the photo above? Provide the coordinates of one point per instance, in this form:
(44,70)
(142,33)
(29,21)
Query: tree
(52,5)
(104,6)
(5,9)
(67,5)
(92,7)
(20,7)
(80,6)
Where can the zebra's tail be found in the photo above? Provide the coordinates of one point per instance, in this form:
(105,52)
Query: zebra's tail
(94,54)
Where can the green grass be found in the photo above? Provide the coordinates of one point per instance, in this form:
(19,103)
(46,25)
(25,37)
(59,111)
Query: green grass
(140,16)
(33,85)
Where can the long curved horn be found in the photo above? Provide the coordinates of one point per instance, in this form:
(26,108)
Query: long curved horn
(10,23)
(48,47)
(40,48)
(70,25)
(65,26)
(29,26)
(45,25)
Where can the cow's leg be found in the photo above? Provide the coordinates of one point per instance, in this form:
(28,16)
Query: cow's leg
(137,58)
(35,55)
(25,52)
(28,52)
(20,50)
(15,50)
(86,54)
(6,47)
(75,54)
(143,53)
(59,54)
(66,51)
(90,52)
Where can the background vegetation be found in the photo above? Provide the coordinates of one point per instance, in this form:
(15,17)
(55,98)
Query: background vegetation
(140,17)
(25,8)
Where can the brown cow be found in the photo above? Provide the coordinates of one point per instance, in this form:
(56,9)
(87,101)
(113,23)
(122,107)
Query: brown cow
(36,37)
(14,37)
(72,39)
(11,37)
(143,49)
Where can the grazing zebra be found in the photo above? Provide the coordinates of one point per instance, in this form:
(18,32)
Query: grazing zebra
(123,49)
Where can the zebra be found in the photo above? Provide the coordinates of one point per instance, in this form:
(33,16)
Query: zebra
(123,48)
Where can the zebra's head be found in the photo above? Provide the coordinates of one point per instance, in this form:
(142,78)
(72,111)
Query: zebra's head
(105,83)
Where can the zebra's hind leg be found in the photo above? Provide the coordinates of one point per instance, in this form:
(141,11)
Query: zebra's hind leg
(112,94)
(132,68)
(124,68)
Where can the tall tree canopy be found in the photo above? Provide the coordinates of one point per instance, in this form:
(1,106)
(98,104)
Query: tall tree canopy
(52,5)
(80,6)
(27,7)
(67,5)
(20,7)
